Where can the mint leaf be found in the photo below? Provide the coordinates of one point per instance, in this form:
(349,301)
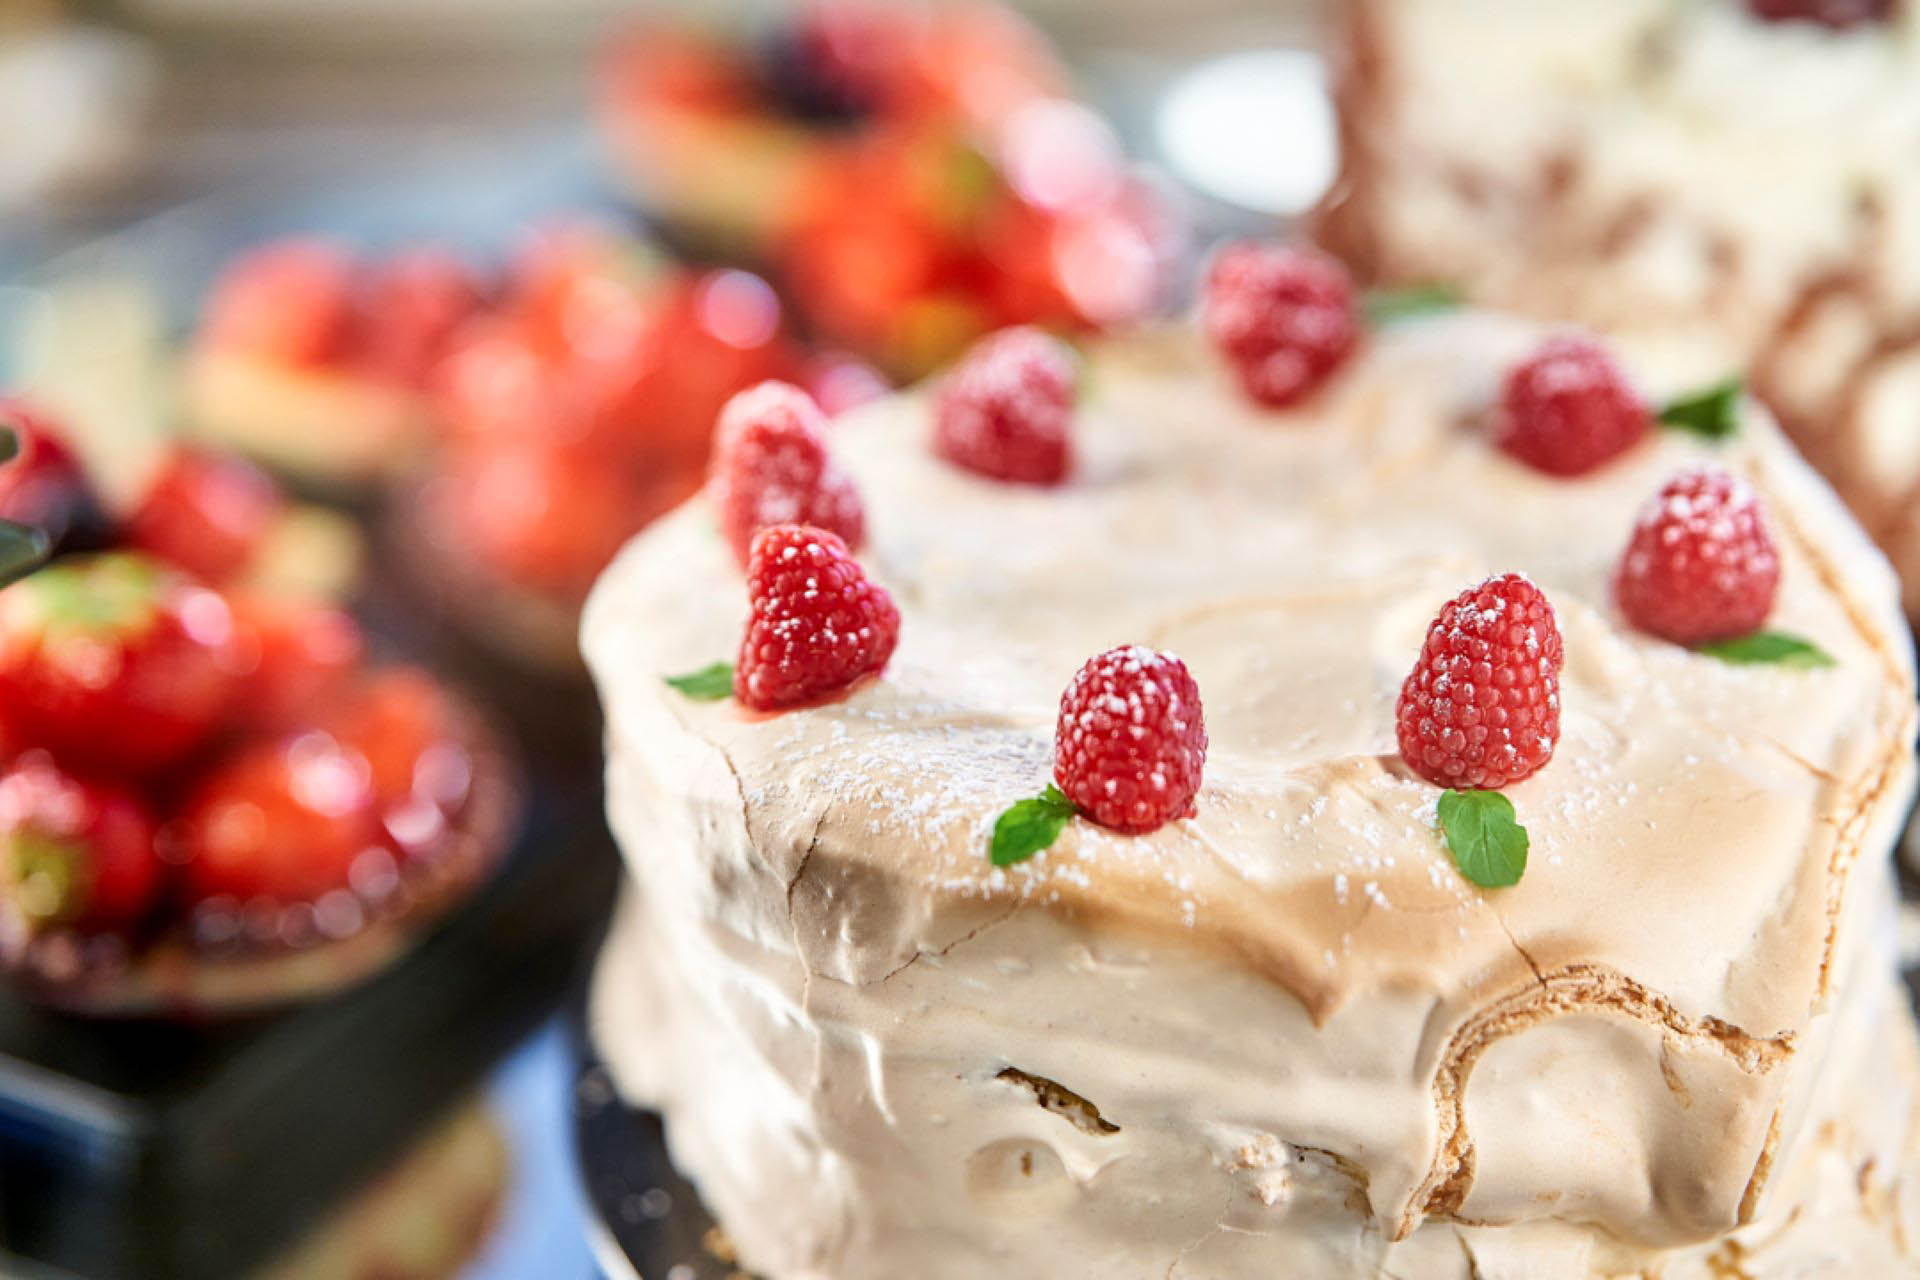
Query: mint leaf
(1029,826)
(22,550)
(1384,306)
(1712,413)
(1776,647)
(1488,846)
(9,443)
(709,684)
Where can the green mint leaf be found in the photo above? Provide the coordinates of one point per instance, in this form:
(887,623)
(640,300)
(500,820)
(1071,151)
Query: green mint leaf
(1775,647)
(1712,413)
(1029,826)
(1385,306)
(22,550)
(1488,846)
(9,442)
(709,684)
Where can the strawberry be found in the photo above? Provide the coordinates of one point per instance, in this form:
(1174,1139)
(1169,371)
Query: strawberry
(1004,412)
(115,661)
(1567,409)
(1700,565)
(412,305)
(1481,708)
(282,819)
(1131,741)
(398,719)
(44,486)
(770,466)
(547,517)
(291,301)
(209,513)
(1283,316)
(817,626)
(301,658)
(74,853)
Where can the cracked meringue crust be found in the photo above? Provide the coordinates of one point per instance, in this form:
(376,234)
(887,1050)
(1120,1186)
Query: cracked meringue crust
(1320,1048)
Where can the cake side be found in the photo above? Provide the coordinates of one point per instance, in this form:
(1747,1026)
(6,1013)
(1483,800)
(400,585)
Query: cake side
(1742,188)
(838,854)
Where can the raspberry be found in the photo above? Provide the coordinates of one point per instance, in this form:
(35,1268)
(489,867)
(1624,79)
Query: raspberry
(817,625)
(1567,408)
(1837,14)
(1700,565)
(1481,707)
(1005,409)
(770,466)
(1132,739)
(1282,315)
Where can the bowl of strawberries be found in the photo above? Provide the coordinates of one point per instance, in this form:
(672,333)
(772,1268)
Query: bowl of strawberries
(213,800)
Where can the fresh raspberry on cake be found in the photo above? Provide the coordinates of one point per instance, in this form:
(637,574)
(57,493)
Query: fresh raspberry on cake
(771,466)
(1700,566)
(1568,408)
(1283,316)
(1481,708)
(818,624)
(74,853)
(1131,740)
(1006,409)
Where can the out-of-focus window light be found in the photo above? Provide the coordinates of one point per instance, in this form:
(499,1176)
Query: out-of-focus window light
(1254,130)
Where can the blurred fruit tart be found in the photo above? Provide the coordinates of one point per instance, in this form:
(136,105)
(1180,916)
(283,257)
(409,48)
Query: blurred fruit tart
(211,801)
(914,172)
(316,360)
(577,411)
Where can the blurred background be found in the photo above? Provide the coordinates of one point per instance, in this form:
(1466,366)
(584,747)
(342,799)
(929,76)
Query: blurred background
(415,311)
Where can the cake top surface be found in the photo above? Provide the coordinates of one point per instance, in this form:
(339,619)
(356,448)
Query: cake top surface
(1691,837)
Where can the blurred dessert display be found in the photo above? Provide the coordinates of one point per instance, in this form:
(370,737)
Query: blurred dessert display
(578,409)
(913,173)
(213,800)
(318,360)
(1737,176)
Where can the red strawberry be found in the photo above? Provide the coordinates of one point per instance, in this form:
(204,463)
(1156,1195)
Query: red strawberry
(1005,410)
(413,305)
(1282,315)
(43,484)
(1837,14)
(1567,408)
(770,466)
(1700,565)
(73,853)
(407,727)
(303,656)
(1132,739)
(291,301)
(115,662)
(207,513)
(282,819)
(1481,708)
(818,624)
